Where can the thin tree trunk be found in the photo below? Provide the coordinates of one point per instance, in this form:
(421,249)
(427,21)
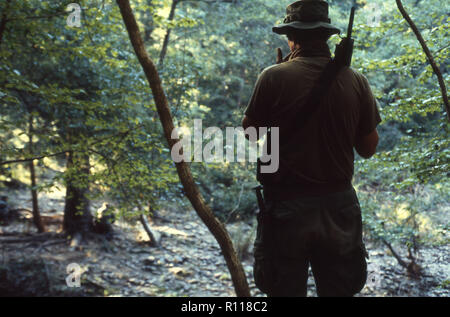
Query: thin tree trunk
(4,20)
(436,69)
(149,25)
(77,215)
(395,254)
(163,52)
(145,224)
(192,192)
(36,214)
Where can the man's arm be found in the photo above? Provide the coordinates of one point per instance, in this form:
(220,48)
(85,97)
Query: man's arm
(366,146)
(366,140)
(248,122)
(257,112)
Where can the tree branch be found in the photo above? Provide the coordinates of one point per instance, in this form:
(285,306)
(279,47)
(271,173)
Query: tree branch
(436,69)
(122,136)
(32,158)
(163,52)
(146,226)
(395,254)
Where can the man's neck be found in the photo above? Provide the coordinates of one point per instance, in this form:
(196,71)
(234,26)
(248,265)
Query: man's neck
(315,48)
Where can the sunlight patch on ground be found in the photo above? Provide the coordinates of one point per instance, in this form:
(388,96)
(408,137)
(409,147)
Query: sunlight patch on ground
(172,231)
(142,236)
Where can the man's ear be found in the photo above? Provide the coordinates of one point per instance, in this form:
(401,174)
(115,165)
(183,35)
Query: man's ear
(291,45)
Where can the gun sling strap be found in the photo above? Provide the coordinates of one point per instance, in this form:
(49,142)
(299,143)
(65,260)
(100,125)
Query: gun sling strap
(343,57)
(312,105)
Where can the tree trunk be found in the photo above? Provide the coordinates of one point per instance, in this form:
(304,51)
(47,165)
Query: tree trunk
(4,20)
(77,215)
(436,69)
(203,210)
(36,214)
(153,241)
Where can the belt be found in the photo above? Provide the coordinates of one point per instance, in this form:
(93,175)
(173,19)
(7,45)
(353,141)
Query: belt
(287,192)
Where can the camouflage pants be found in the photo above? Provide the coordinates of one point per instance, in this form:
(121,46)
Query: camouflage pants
(324,232)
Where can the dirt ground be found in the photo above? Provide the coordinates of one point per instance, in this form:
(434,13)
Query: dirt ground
(188,261)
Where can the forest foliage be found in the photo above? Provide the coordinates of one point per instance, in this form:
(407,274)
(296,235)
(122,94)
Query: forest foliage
(81,96)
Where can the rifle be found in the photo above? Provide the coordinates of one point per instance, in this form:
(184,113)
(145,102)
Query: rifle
(344,50)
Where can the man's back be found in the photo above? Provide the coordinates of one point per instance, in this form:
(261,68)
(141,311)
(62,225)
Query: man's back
(322,151)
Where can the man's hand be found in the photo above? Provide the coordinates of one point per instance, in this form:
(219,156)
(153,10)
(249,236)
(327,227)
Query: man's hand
(247,122)
(279,55)
(280,58)
(366,146)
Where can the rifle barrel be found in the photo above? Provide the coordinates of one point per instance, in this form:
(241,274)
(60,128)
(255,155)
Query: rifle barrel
(350,23)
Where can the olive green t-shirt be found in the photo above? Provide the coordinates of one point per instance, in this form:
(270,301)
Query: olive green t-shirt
(323,149)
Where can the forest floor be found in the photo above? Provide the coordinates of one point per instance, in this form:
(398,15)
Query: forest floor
(188,261)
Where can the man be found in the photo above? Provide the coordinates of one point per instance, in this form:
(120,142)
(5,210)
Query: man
(312,214)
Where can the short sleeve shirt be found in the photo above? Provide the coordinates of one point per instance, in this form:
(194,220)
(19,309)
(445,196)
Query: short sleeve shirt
(323,151)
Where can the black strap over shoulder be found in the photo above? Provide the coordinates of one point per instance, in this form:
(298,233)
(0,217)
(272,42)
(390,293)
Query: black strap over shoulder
(314,101)
(343,58)
(312,105)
